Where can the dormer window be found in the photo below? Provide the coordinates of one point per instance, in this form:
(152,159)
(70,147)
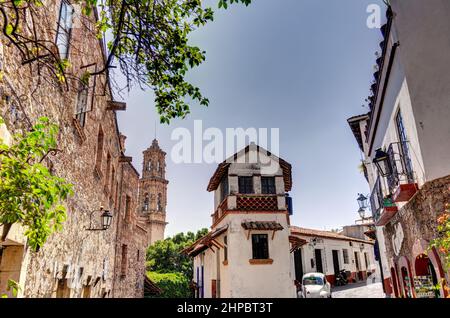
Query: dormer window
(246,185)
(268,185)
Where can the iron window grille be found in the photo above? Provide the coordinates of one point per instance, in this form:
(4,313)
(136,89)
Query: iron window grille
(376,199)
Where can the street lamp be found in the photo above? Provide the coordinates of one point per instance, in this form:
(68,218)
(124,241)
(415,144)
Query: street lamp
(105,217)
(362,201)
(362,213)
(382,163)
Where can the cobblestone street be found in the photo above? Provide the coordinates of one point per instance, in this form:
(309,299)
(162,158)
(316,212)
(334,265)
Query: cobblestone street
(359,290)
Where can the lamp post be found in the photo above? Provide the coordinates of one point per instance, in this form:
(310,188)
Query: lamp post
(105,217)
(382,163)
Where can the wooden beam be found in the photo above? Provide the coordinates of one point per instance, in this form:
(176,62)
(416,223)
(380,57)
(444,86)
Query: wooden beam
(273,234)
(248,234)
(118,106)
(216,243)
(125,159)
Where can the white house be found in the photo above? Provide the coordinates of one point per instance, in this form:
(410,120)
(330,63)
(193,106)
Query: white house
(405,141)
(251,250)
(328,253)
(247,252)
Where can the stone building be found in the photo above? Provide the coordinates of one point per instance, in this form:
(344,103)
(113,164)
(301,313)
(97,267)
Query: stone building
(405,141)
(153,192)
(75,262)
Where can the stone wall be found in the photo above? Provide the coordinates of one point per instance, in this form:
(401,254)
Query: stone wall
(416,221)
(74,262)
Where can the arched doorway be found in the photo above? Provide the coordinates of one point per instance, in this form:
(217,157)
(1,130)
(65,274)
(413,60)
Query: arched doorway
(406,280)
(426,277)
(394,282)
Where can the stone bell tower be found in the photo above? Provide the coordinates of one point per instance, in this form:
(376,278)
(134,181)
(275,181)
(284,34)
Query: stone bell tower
(153,191)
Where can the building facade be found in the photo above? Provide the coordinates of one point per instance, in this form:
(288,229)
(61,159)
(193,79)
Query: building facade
(247,252)
(153,191)
(328,253)
(75,262)
(405,139)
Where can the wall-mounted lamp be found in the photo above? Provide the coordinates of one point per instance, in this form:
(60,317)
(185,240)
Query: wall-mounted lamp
(106,219)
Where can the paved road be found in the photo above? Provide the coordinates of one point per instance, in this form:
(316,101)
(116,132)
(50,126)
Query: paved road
(359,290)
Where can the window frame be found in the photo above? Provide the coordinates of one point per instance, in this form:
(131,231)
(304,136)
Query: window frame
(246,187)
(266,187)
(61,30)
(260,249)
(82,110)
(345,256)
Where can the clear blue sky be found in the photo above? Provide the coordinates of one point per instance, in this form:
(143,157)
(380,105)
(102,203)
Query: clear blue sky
(303,66)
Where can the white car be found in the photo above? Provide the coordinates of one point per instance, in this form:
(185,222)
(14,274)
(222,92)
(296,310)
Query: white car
(315,285)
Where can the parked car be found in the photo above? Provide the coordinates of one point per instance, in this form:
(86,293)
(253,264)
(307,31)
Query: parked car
(315,285)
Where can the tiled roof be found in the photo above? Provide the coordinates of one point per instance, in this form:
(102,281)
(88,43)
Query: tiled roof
(295,230)
(223,168)
(262,225)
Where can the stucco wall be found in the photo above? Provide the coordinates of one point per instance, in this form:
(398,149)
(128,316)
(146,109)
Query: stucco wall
(423,28)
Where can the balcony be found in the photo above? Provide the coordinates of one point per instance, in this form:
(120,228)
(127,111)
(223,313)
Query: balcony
(247,202)
(383,208)
(401,181)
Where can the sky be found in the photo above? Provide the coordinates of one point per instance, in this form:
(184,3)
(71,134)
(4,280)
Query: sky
(303,66)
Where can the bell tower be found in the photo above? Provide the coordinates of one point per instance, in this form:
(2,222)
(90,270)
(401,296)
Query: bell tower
(153,191)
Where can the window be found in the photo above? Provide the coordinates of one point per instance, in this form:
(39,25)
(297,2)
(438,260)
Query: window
(138,255)
(345,254)
(260,246)
(149,166)
(225,248)
(245,185)
(98,160)
(113,179)
(404,149)
(224,188)
(108,167)
(159,203)
(268,185)
(82,102)
(145,208)
(366,260)
(127,208)
(123,268)
(64,29)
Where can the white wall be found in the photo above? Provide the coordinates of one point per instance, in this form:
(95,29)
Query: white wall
(327,246)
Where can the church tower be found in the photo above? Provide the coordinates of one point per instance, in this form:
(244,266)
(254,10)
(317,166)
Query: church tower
(153,191)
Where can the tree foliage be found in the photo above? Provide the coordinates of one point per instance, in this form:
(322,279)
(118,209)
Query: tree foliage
(29,194)
(172,285)
(442,242)
(165,256)
(149,43)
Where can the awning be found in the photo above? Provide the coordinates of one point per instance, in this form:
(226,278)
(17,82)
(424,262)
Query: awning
(296,242)
(205,242)
(262,225)
(150,288)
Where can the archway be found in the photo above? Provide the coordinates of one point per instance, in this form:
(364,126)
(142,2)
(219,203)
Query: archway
(395,282)
(407,282)
(426,277)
